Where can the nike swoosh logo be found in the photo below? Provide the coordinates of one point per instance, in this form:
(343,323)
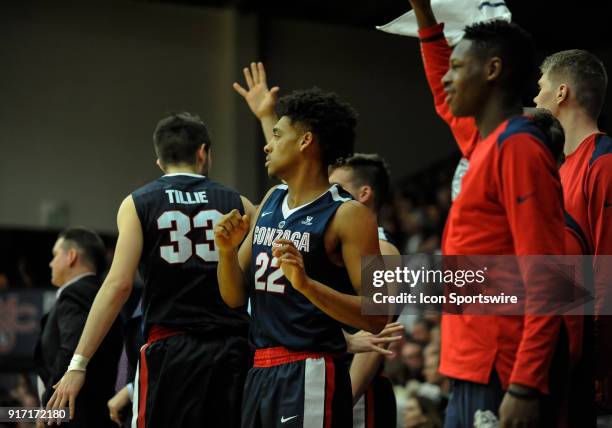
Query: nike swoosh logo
(521,199)
(283,419)
(266,213)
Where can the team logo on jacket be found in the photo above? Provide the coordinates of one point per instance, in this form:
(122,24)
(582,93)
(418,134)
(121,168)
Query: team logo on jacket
(281,224)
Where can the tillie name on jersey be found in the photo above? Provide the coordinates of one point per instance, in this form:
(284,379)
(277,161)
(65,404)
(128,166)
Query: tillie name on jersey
(267,235)
(189,198)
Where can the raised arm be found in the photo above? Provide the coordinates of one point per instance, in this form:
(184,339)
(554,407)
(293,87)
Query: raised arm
(259,98)
(108,302)
(436,53)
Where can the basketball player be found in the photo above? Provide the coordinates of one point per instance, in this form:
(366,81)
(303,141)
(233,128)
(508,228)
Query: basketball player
(573,87)
(366,178)
(192,369)
(500,365)
(300,267)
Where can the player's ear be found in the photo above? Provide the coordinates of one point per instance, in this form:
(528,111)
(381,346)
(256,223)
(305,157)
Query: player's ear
(307,140)
(365,194)
(493,68)
(201,154)
(72,255)
(562,93)
(209,158)
(160,165)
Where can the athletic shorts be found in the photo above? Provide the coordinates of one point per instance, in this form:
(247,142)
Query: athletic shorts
(187,380)
(286,389)
(376,408)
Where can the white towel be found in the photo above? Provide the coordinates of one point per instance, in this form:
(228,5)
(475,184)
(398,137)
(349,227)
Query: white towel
(456,15)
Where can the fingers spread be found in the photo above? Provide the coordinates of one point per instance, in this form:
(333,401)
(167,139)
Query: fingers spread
(239,89)
(247,77)
(255,73)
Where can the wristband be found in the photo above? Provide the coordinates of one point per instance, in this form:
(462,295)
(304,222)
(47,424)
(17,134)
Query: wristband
(523,395)
(78,362)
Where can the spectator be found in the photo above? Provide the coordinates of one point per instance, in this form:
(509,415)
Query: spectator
(421,412)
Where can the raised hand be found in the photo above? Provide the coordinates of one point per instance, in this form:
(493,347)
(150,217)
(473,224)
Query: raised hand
(259,98)
(231,230)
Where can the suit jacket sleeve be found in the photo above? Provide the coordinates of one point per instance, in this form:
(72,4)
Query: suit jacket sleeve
(72,311)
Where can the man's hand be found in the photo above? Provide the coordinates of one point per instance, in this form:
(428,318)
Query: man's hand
(364,341)
(260,99)
(66,391)
(291,262)
(231,230)
(518,412)
(116,405)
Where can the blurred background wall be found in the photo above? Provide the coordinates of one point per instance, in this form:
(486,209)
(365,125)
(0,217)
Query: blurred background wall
(83,84)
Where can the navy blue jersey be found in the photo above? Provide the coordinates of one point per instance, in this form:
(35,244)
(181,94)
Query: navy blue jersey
(179,261)
(282,316)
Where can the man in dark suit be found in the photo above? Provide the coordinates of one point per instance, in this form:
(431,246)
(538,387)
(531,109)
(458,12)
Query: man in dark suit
(78,257)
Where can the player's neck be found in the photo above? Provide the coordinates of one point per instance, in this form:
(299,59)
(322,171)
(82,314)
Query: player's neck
(494,112)
(304,188)
(182,169)
(577,126)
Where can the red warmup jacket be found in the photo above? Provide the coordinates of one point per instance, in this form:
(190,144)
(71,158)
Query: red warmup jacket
(510,203)
(586,177)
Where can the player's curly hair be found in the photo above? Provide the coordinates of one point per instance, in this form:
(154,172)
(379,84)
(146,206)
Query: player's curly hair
(369,169)
(513,45)
(331,120)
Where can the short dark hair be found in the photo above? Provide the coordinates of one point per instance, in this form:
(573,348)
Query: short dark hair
(88,244)
(586,72)
(512,44)
(370,170)
(331,120)
(178,137)
(552,129)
